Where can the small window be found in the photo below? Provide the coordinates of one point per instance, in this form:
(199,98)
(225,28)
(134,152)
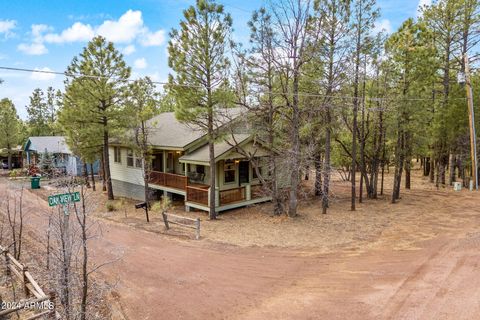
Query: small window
(129,158)
(117,155)
(255,176)
(200,169)
(138,161)
(229,172)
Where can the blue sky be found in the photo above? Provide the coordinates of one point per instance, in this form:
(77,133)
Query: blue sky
(46,35)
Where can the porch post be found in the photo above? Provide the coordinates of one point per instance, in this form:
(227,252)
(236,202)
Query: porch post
(248,192)
(164,161)
(217,197)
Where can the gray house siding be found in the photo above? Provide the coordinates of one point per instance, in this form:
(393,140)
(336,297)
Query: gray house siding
(128,190)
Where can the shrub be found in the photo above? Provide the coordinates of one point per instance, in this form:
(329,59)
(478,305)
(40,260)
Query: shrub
(162,205)
(14,173)
(110,206)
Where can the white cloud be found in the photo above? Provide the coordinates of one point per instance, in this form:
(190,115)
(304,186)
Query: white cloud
(153,38)
(128,50)
(34,49)
(128,28)
(140,63)
(77,32)
(38,30)
(383,25)
(421,4)
(125,30)
(6,27)
(41,76)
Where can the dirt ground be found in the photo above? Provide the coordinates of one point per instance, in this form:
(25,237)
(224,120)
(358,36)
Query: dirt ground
(417,259)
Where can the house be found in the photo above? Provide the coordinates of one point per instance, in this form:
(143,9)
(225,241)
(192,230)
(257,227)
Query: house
(180,164)
(16,157)
(62,158)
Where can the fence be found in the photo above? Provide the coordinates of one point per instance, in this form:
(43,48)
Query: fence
(182,221)
(15,269)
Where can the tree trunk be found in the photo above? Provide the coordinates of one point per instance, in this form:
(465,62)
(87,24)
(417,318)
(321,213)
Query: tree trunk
(102,172)
(85,174)
(295,149)
(106,157)
(326,164)
(9,159)
(211,152)
(451,171)
(399,160)
(92,176)
(318,175)
(432,170)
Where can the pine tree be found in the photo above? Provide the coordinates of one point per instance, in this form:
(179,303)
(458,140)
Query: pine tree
(197,55)
(143,104)
(10,126)
(101,93)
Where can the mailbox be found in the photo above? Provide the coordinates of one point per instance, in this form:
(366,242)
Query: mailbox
(141,205)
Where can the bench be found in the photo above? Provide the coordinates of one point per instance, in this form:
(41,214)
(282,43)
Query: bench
(182,221)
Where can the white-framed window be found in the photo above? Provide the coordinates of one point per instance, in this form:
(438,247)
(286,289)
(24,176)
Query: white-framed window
(117,155)
(229,172)
(138,161)
(130,158)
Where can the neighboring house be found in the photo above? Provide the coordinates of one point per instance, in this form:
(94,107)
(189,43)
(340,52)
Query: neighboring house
(181,166)
(16,154)
(63,158)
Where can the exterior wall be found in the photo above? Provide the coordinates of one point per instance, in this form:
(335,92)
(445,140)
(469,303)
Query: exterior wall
(71,166)
(121,172)
(128,190)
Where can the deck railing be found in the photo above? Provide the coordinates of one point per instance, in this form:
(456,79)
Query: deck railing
(197,195)
(171,180)
(232,195)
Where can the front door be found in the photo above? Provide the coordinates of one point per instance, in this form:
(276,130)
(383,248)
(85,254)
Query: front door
(243,172)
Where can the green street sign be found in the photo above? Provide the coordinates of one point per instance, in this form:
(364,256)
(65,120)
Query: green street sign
(64,198)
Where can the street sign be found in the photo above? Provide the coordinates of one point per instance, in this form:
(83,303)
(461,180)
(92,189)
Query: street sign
(63,198)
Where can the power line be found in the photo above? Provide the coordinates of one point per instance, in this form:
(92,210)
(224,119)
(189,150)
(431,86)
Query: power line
(300,94)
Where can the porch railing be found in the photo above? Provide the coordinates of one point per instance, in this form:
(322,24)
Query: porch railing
(171,180)
(232,195)
(197,195)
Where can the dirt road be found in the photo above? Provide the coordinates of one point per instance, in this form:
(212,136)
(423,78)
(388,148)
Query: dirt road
(425,266)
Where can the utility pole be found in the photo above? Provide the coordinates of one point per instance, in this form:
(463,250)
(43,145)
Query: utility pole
(471,117)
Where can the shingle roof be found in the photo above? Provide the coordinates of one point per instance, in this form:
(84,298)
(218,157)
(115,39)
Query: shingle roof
(220,148)
(167,131)
(53,144)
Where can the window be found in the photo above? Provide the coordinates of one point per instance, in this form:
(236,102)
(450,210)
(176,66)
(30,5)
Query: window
(255,176)
(229,172)
(138,161)
(200,169)
(117,155)
(130,158)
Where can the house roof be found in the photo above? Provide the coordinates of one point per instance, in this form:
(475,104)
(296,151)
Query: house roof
(53,144)
(167,131)
(220,148)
